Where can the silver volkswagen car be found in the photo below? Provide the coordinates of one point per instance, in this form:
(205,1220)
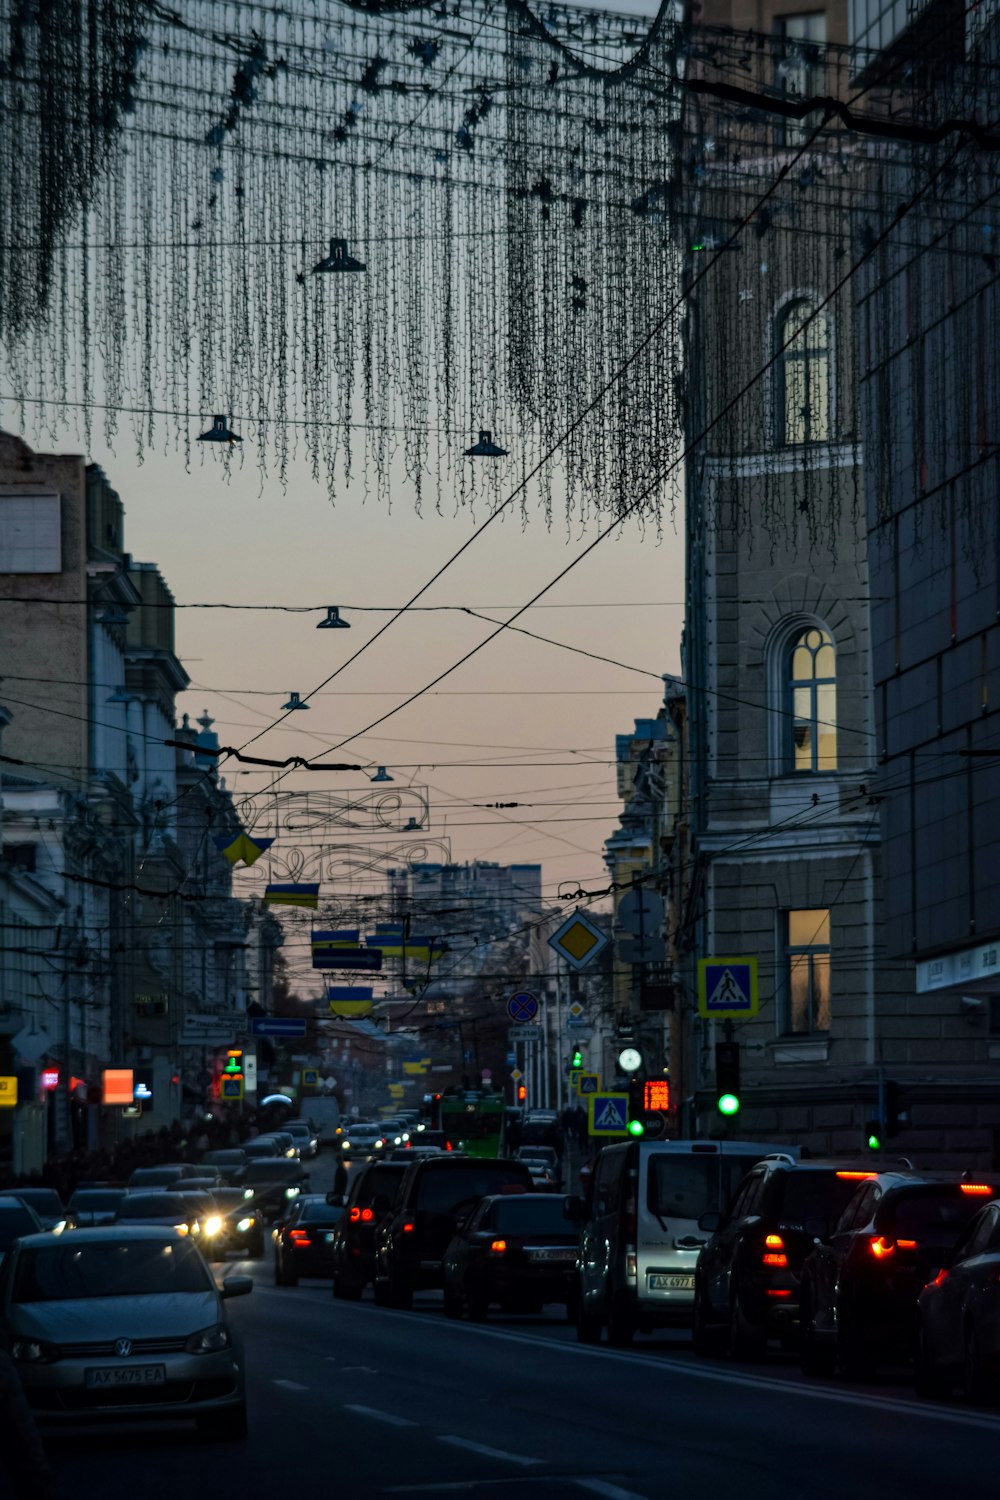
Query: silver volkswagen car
(119,1322)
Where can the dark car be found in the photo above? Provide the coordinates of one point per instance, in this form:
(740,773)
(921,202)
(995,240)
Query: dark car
(435,1196)
(240,1228)
(47,1205)
(958,1316)
(261,1149)
(746,1287)
(371,1196)
(91,1207)
(519,1250)
(16,1219)
(304,1244)
(860,1291)
(162,1209)
(270,1184)
(163,1176)
(227,1163)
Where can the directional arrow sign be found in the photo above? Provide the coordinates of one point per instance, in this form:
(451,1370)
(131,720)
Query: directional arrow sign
(277,1026)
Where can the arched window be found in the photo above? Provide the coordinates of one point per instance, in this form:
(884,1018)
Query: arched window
(812,678)
(803,405)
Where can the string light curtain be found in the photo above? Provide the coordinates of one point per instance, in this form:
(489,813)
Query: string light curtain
(532,194)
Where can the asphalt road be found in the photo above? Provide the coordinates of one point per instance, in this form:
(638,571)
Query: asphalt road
(351,1399)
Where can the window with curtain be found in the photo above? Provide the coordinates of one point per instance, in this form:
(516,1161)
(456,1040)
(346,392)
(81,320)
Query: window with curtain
(812,682)
(806,1011)
(803,406)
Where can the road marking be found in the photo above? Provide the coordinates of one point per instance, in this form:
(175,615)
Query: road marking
(351,1369)
(382,1416)
(290,1385)
(609,1491)
(510,1458)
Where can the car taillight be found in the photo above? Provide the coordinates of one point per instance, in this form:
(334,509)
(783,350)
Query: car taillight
(408,1227)
(976,1189)
(354,1216)
(777,1291)
(906,1244)
(367,1215)
(856,1176)
(498,1247)
(299,1237)
(881,1247)
(774,1242)
(774,1253)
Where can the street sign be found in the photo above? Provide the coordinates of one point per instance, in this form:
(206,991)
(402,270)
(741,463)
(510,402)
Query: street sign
(523,1034)
(727,988)
(8,1091)
(578,940)
(277,1026)
(607,1114)
(231,1088)
(640,910)
(250,1072)
(588,1083)
(575,1011)
(522,1007)
(516,1074)
(511,1058)
(649,949)
(310,1078)
(574,1080)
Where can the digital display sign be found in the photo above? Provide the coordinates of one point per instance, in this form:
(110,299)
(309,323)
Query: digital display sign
(656,1094)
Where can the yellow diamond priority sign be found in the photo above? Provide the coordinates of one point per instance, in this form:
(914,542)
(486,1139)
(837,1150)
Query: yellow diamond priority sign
(578,940)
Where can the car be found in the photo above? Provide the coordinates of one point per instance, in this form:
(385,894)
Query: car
(517,1249)
(304,1137)
(123,1322)
(860,1289)
(160,1207)
(261,1148)
(47,1205)
(958,1316)
(435,1195)
(226,1162)
(268,1185)
(16,1218)
(543,1175)
(304,1245)
(163,1176)
(639,1234)
(748,1275)
(546,1154)
(359,1140)
(370,1197)
(90,1206)
(240,1227)
(410,1152)
(285,1141)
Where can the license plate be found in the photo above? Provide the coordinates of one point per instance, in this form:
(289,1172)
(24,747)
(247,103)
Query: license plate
(564,1257)
(114,1376)
(328,1239)
(671,1283)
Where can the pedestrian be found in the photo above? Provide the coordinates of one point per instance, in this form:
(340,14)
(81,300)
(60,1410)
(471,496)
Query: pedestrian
(340,1179)
(22,1457)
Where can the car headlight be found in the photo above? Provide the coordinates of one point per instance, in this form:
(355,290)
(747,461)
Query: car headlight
(421,1127)
(245,1224)
(34,1351)
(291,1192)
(181,1228)
(406,1135)
(212,1225)
(208,1340)
(58,1228)
(248,1192)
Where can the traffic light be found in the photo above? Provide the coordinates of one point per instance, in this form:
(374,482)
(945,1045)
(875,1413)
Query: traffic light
(727,1078)
(234,1063)
(576,1061)
(522,1093)
(636,1123)
(873,1135)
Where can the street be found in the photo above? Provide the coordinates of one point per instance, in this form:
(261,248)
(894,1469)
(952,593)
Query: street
(395,1403)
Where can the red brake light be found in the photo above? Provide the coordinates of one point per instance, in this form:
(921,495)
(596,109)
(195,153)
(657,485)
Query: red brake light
(881,1247)
(408,1228)
(367,1215)
(906,1244)
(977,1189)
(299,1237)
(498,1247)
(775,1261)
(354,1215)
(774,1242)
(778,1291)
(856,1176)
(448,1146)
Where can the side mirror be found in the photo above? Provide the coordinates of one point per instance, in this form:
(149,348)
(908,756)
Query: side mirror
(817,1228)
(710,1222)
(573,1208)
(237,1286)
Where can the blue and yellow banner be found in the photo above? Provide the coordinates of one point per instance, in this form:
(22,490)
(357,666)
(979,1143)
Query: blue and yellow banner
(294,894)
(351,1001)
(246,847)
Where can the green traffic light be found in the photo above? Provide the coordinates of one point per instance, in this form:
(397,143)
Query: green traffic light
(636,1127)
(874,1144)
(728,1104)
(577,1058)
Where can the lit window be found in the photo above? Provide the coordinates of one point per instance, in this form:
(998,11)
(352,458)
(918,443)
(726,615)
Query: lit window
(807,957)
(813,691)
(803,407)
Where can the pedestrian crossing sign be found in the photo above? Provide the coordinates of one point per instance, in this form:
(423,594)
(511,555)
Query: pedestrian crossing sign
(607,1114)
(727,988)
(588,1083)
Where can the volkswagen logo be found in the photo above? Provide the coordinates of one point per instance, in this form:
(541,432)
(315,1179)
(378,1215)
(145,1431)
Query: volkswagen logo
(123,1347)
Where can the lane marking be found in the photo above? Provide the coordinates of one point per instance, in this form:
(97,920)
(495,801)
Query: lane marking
(609,1491)
(382,1416)
(510,1458)
(290,1385)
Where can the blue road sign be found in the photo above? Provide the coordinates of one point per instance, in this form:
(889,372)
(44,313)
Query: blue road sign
(522,1007)
(277,1026)
(607,1114)
(727,988)
(589,1083)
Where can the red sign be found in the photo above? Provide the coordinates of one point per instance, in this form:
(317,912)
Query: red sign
(50,1078)
(119,1086)
(656,1094)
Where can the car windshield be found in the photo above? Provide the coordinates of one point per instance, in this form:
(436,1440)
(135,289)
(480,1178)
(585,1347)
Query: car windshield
(14,1222)
(318,1213)
(815,1195)
(933,1215)
(539,1214)
(685,1187)
(71,1270)
(439,1191)
(43,1201)
(271,1171)
(153,1206)
(95,1202)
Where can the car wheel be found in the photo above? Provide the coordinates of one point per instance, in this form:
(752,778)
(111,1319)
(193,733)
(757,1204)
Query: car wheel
(746,1340)
(399,1292)
(815,1358)
(705,1339)
(621,1324)
(588,1325)
(223,1426)
(978,1386)
(928,1380)
(452,1304)
(854,1359)
(477,1305)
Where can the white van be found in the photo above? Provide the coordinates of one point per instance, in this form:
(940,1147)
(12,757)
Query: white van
(640,1239)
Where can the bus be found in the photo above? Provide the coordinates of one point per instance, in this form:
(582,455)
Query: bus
(472,1122)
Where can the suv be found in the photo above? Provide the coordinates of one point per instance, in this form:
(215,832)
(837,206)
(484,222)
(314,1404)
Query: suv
(369,1200)
(860,1291)
(640,1238)
(747,1281)
(435,1196)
